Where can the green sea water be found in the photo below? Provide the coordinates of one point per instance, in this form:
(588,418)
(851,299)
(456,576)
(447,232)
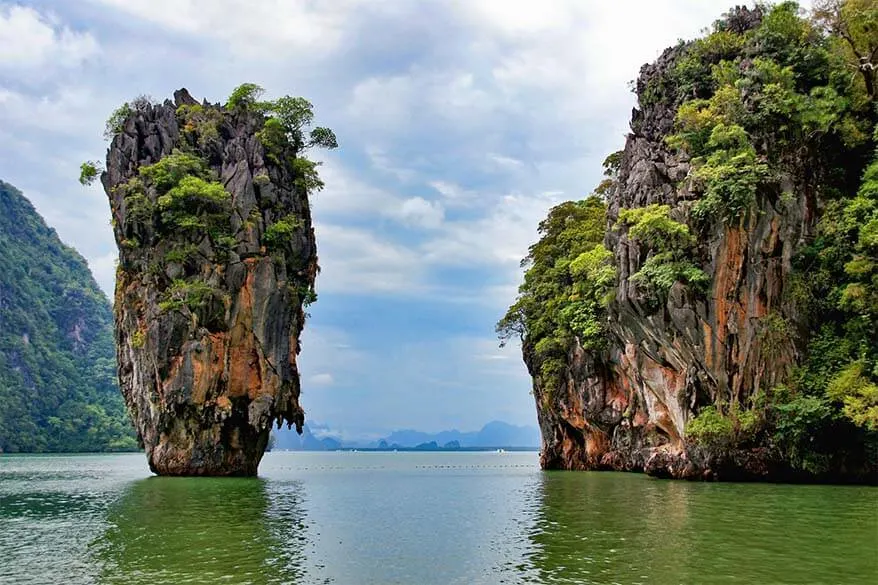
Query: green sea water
(420,519)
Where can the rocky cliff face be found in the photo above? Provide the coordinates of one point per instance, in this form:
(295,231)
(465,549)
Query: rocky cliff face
(628,405)
(216,258)
(666,360)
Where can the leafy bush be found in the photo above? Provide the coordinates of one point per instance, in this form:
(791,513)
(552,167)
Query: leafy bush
(196,205)
(245,96)
(307,176)
(274,139)
(670,243)
(192,295)
(730,179)
(170,170)
(306,294)
(116,120)
(139,208)
(138,339)
(283,134)
(182,253)
(854,388)
(89,172)
(201,122)
(662,270)
(566,288)
(189,198)
(711,429)
(795,425)
(653,226)
(279,233)
(120,115)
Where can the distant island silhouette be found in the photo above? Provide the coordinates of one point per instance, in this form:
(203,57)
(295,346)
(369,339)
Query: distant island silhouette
(493,435)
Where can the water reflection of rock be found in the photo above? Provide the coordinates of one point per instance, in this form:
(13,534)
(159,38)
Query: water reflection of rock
(598,527)
(204,530)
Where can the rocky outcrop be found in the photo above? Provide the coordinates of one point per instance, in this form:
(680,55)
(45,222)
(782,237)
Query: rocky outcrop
(212,277)
(627,407)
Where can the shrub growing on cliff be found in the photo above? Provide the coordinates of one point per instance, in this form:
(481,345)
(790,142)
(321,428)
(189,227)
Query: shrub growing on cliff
(89,171)
(670,243)
(711,429)
(114,123)
(565,290)
(288,118)
(280,232)
(720,432)
(858,393)
(170,170)
(117,119)
(245,96)
(775,90)
(189,198)
(192,295)
(285,131)
(201,122)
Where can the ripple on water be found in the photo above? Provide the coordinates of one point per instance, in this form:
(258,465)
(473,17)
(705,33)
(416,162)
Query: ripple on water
(428,518)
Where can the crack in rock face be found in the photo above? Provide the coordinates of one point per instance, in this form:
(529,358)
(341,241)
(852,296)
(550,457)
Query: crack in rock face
(217,257)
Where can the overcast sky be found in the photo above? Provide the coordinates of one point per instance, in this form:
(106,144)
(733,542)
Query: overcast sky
(460,123)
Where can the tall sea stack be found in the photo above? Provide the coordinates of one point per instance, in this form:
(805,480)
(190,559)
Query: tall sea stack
(217,258)
(712,313)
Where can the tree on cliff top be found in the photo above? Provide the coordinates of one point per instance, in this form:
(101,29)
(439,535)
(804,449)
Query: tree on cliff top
(855,24)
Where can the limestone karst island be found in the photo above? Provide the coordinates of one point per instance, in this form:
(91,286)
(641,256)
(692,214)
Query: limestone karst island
(217,259)
(581,319)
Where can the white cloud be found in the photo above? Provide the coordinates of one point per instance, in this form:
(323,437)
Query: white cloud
(346,194)
(323,379)
(395,104)
(32,43)
(519,17)
(499,238)
(255,29)
(418,212)
(451,191)
(506,163)
(356,261)
(68,110)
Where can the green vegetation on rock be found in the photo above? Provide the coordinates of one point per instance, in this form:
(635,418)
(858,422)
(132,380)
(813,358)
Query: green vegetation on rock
(89,171)
(57,364)
(173,204)
(566,287)
(670,242)
(775,95)
(773,112)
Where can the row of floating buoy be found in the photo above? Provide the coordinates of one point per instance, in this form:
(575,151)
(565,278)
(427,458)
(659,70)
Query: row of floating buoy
(379,467)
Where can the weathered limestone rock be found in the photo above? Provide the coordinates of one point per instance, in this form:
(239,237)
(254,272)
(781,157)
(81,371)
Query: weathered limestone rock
(627,408)
(207,337)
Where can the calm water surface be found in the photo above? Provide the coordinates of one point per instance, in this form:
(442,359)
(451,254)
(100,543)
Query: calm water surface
(420,519)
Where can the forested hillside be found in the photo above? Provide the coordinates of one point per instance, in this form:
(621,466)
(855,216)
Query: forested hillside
(58,387)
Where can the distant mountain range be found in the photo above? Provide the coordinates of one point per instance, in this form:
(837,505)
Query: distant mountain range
(289,440)
(495,434)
